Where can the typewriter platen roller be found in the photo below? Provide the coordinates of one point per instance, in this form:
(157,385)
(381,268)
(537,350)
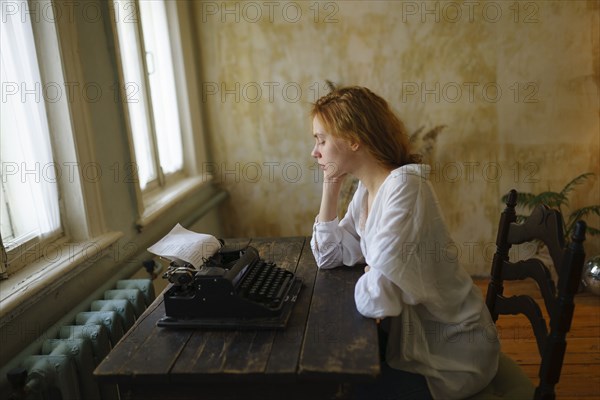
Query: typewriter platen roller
(234,289)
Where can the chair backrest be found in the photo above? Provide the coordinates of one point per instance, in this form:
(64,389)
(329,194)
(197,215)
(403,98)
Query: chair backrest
(546,225)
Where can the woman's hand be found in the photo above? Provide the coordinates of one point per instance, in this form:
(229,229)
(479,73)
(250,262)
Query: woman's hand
(332,174)
(332,185)
(367,268)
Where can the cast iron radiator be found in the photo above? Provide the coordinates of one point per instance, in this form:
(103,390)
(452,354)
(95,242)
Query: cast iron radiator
(64,369)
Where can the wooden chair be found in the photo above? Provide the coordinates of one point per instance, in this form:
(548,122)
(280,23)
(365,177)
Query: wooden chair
(546,225)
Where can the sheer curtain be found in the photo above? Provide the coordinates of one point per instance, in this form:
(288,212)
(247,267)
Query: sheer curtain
(162,85)
(152,109)
(29,193)
(135,96)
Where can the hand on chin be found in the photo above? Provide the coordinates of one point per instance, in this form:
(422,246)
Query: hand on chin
(332,173)
(334,177)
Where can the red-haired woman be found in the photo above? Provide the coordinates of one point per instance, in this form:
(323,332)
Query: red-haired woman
(438,337)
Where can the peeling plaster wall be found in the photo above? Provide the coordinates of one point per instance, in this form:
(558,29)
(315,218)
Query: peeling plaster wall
(516,85)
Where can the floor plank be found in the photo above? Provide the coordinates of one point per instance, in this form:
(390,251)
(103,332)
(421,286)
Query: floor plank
(580,377)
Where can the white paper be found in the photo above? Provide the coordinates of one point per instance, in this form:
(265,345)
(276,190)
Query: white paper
(185,245)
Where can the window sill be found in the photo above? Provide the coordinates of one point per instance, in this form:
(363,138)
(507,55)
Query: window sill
(159,202)
(37,278)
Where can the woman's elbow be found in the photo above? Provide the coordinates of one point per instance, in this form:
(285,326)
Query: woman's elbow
(325,263)
(368,311)
(375,308)
(377,313)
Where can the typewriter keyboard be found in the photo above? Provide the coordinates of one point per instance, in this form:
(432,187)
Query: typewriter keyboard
(265,283)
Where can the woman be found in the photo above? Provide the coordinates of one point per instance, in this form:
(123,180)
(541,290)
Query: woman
(441,341)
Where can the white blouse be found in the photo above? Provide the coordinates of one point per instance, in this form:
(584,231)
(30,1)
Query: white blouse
(441,327)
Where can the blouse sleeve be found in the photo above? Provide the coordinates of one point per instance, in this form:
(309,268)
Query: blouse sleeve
(335,243)
(376,296)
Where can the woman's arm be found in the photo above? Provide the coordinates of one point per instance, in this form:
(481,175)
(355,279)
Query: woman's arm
(376,296)
(329,200)
(335,243)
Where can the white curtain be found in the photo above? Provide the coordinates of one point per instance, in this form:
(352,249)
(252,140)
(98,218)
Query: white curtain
(162,85)
(29,180)
(134,89)
(155,105)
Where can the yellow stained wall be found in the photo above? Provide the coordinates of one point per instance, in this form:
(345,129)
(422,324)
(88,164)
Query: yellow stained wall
(515,83)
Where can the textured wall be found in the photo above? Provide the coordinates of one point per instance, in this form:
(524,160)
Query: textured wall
(516,85)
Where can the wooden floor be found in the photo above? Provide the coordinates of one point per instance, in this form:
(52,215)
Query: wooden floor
(580,377)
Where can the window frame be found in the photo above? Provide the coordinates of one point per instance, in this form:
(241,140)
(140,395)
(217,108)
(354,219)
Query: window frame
(168,189)
(13,247)
(80,206)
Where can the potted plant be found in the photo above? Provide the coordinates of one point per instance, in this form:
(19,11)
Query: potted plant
(560,201)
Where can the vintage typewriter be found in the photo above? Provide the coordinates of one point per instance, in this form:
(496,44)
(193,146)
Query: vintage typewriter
(233,289)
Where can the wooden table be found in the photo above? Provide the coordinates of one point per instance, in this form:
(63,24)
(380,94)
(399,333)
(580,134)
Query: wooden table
(326,343)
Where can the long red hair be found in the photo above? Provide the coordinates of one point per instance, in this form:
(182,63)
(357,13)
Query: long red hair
(360,116)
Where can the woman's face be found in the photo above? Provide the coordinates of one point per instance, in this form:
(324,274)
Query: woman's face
(334,155)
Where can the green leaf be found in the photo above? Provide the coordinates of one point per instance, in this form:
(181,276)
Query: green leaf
(584,212)
(551,199)
(576,181)
(589,231)
(581,213)
(592,231)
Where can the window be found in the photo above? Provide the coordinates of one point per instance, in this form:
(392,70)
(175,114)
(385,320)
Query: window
(29,188)
(149,90)
(48,210)
(159,88)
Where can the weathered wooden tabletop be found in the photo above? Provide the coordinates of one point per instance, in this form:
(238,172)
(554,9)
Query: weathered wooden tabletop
(326,342)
